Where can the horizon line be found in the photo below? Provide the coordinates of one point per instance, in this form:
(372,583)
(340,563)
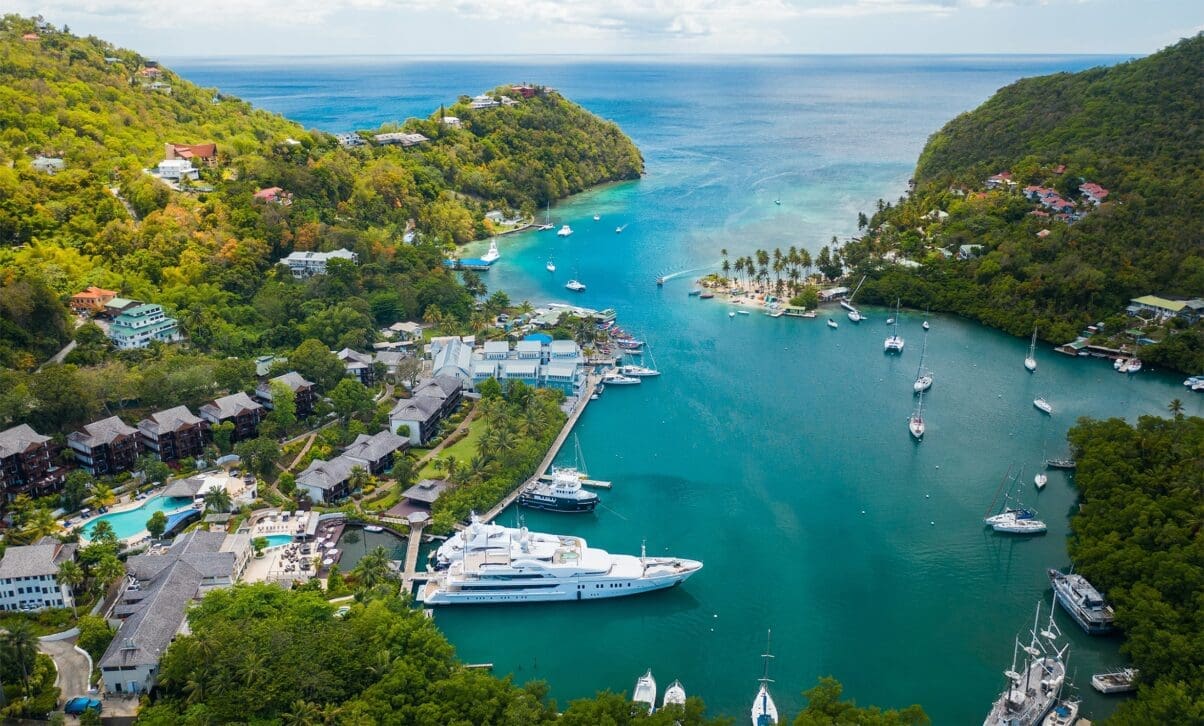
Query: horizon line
(675,55)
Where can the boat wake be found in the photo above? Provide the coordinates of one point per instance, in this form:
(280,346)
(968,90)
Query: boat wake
(669,276)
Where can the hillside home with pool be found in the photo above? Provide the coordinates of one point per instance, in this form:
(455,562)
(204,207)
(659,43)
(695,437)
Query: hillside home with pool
(29,576)
(151,610)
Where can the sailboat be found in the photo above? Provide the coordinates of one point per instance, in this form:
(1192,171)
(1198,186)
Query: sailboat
(639,370)
(854,314)
(925,325)
(551,266)
(1041,479)
(1034,684)
(1042,405)
(547,220)
(1030,362)
(645,691)
(923,378)
(915,424)
(894,343)
(764,710)
(1009,519)
(675,695)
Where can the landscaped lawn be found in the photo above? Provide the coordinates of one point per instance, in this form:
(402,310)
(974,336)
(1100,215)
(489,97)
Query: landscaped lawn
(463,450)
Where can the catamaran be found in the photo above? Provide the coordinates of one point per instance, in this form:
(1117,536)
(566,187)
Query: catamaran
(1083,602)
(1009,519)
(575,286)
(893,342)
(923,378)
(1030,361)
(564,231)
(645,691)
(675,695)
(915,424)
(1033,690)
(516,566)
(854,314)
(764,710)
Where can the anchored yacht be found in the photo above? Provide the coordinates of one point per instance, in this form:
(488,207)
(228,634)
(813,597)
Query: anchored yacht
(645,691)
(575,286)
(564,231)
(764,710)
(492,255)
(1032,691)
(522,566)
(675,695)
(563,493)
(1083,602)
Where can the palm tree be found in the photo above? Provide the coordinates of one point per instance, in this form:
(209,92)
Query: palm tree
(41,523)
(21,647)
(102,531)
(107,571)
(303,713)
(358,478)
(373,568)
(71,575)
(217,499)
(1176,409)
(102,495)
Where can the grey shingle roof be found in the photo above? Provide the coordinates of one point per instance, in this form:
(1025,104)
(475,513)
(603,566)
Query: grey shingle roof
(418,408)
(230,406)
(102,432)
(375,447)
(172,419)
(19,438)
(327,475)
(42,558)
(440,386)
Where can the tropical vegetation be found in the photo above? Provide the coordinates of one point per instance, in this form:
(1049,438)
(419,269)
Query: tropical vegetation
(1139,537)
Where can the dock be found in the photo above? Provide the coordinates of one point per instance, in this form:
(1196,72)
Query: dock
(591,383)
(409,572)
(593,483)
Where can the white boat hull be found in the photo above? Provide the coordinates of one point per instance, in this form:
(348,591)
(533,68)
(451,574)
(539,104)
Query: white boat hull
(916,427)
(1030,365)
(893,345)
(923,383)
(584,588)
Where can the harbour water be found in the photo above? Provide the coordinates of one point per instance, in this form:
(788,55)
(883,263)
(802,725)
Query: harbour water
(775,450)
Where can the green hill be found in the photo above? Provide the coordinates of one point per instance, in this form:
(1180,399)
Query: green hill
(208,252)
(1134,129)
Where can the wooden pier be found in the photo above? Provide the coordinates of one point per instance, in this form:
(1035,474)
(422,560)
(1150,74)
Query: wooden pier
(587,390)
(409,572)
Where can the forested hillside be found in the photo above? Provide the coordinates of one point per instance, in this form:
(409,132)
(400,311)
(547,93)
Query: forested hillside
(208,251)
(1139,538)
(1135,129)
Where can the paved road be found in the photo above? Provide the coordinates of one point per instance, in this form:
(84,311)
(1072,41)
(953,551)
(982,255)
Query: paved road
(73,668)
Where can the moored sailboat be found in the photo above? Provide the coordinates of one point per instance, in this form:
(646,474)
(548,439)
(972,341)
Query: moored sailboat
(915,424)
(1030,361)
(894,342)
(854,314)
(923,378)
(1033,690)
(1042,405)
(675,695)
(1012,519)
(764,710)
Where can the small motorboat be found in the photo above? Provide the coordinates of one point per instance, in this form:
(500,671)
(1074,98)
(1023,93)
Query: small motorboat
(1040,480)
(707,295)
(551,266)
(660,281)
(778,202)
(731,315)
(618,379)
(597,217)
(1043,405)
(926,326)
(620,228)
(564,231)
(832,323)
(575,286)
(1121,681)
(742,312)
(374,528)
(1064,713)
(694,293)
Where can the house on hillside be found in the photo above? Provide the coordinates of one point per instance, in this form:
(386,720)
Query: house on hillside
(359,366)
(177,170)
(304,393)
(48,164)
(202,153)
(140,325)
(327,481)
(402,139)
(308,264)
(28,463)
(1002,180)
(174,434)
(1093,193)
(106,447)
(238,409)
(91,300)
(152,609)
(274,195)
(376,452)
(29,576)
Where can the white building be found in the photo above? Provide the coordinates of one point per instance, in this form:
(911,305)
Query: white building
(48,164)
(177,169)
(400,138)
(556,364)
(483,101)
(29,576)
(308,264)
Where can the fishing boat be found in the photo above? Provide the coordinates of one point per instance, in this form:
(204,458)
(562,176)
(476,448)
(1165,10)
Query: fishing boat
(551,266)
(374,528)
(1066,463)
(645,691)
(915,424)
(1012,519)
(675,695)
(496,564)
(492,255)
(923,378)
(1040,480)
(1034,681)
(575,286)
(1119,681)
(618,379)
(832,323)
(564,231)
(764,710)
(1030,361)
(893,342)
(563,493)
(1065,713)
(1083,602)
(1043,405)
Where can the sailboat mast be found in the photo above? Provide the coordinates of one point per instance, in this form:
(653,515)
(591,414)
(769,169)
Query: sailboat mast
(997,491)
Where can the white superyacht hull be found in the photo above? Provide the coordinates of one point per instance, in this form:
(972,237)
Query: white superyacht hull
(585,588)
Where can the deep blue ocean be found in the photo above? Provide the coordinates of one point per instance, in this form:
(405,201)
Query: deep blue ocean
(775,450)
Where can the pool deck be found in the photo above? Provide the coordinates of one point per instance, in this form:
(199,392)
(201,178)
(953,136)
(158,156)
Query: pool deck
(126,504)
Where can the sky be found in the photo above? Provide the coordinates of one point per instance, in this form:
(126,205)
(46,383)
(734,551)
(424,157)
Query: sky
(214,28)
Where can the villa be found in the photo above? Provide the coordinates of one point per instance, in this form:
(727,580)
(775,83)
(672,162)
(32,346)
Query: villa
(29,576)
(304,392)
(376,452)
(205,153)
(1002,179)
(554,364)
(91,300)
(402,139)
(1164,309)
(174,434)
(308,264)
(177,170)
(360,366)
(142,324)
(159,588)
(106,447)
(237,408)
(28,463)
(327,481)
(274,195)
(196,487)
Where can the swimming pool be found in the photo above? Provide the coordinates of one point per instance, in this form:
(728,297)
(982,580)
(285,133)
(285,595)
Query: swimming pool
(278,540)
(132,522)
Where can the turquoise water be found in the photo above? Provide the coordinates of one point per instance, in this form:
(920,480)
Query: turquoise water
(133,522)
(765,440)
(279,540)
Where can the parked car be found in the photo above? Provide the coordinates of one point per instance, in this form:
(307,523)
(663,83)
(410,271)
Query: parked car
(79,704)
